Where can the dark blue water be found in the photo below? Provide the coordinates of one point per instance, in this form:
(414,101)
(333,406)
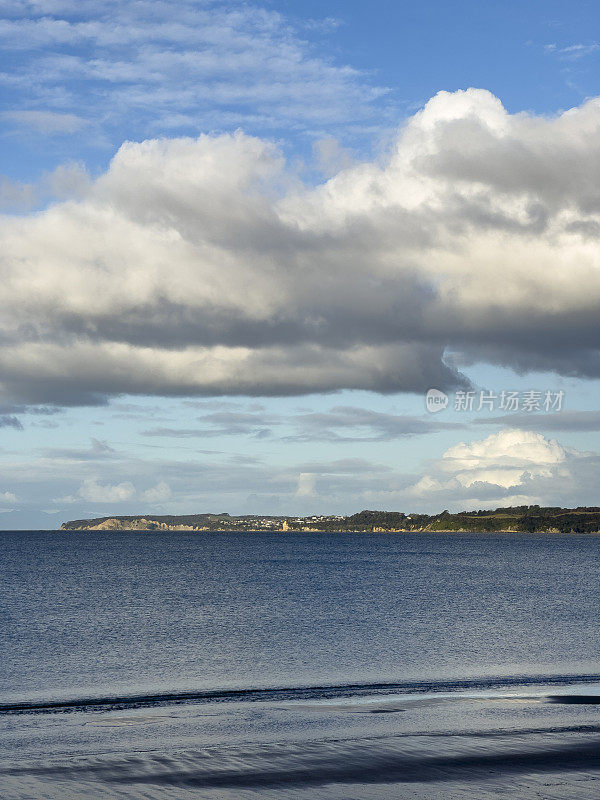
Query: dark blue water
(97,613)
(125,655)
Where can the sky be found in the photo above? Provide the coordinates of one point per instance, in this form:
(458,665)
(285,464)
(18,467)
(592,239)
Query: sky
(241,241)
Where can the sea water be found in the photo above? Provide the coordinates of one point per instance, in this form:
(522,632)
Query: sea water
(298,665)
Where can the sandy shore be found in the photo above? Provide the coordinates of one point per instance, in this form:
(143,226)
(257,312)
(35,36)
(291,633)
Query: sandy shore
(452,745)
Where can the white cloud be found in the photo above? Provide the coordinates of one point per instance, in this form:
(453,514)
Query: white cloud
(47,122)
(203,266)
(158,494)
(307,482)
(8,497)
(69,180)
(512,466)
(96,492)
(509,468)
(573,51)
(504,458)
(153,63)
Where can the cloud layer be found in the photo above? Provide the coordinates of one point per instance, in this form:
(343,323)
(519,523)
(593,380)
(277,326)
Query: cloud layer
(204,267)
(511,467)
(161,66)
(339,424)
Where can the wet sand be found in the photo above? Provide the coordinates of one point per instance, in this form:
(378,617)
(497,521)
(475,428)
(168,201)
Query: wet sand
(531,742)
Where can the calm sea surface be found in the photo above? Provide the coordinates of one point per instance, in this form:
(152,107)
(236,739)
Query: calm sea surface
(131,643)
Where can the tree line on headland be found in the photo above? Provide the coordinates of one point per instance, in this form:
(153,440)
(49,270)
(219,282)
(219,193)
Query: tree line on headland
(515,519)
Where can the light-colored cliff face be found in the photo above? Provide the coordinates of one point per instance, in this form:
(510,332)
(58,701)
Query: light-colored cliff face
(140,524)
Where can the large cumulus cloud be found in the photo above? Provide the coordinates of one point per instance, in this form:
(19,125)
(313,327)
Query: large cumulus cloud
(511,467)
(204,266)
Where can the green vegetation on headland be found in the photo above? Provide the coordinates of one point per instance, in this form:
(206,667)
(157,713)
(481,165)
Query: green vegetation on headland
(517,519)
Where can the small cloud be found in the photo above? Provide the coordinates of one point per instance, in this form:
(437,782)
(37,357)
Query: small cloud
(179,433)
(560,421)
(66,500)
(158,494)
(96,492)
(98,450)
(9,421)
(574,51)
(325,25)
(8,497)
(46,122)
(67,181)
(45,423)
(223,423)
(352,424)
(101,447)
(306,484)
(579,50)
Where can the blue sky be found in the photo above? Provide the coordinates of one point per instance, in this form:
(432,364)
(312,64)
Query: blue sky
(388,57)
(242,240)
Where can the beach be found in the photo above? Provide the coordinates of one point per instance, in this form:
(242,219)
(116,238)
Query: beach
(516,741)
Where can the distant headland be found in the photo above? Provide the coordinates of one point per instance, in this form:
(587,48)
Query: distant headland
(515,519)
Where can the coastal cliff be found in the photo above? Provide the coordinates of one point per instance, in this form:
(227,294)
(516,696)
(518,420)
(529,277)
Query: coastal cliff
(517,519)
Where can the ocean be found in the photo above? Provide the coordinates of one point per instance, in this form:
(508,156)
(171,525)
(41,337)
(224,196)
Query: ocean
(298,665)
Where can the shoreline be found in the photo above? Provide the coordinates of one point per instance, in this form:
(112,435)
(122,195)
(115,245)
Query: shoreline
(525,743)
(513,519)
(253,532)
